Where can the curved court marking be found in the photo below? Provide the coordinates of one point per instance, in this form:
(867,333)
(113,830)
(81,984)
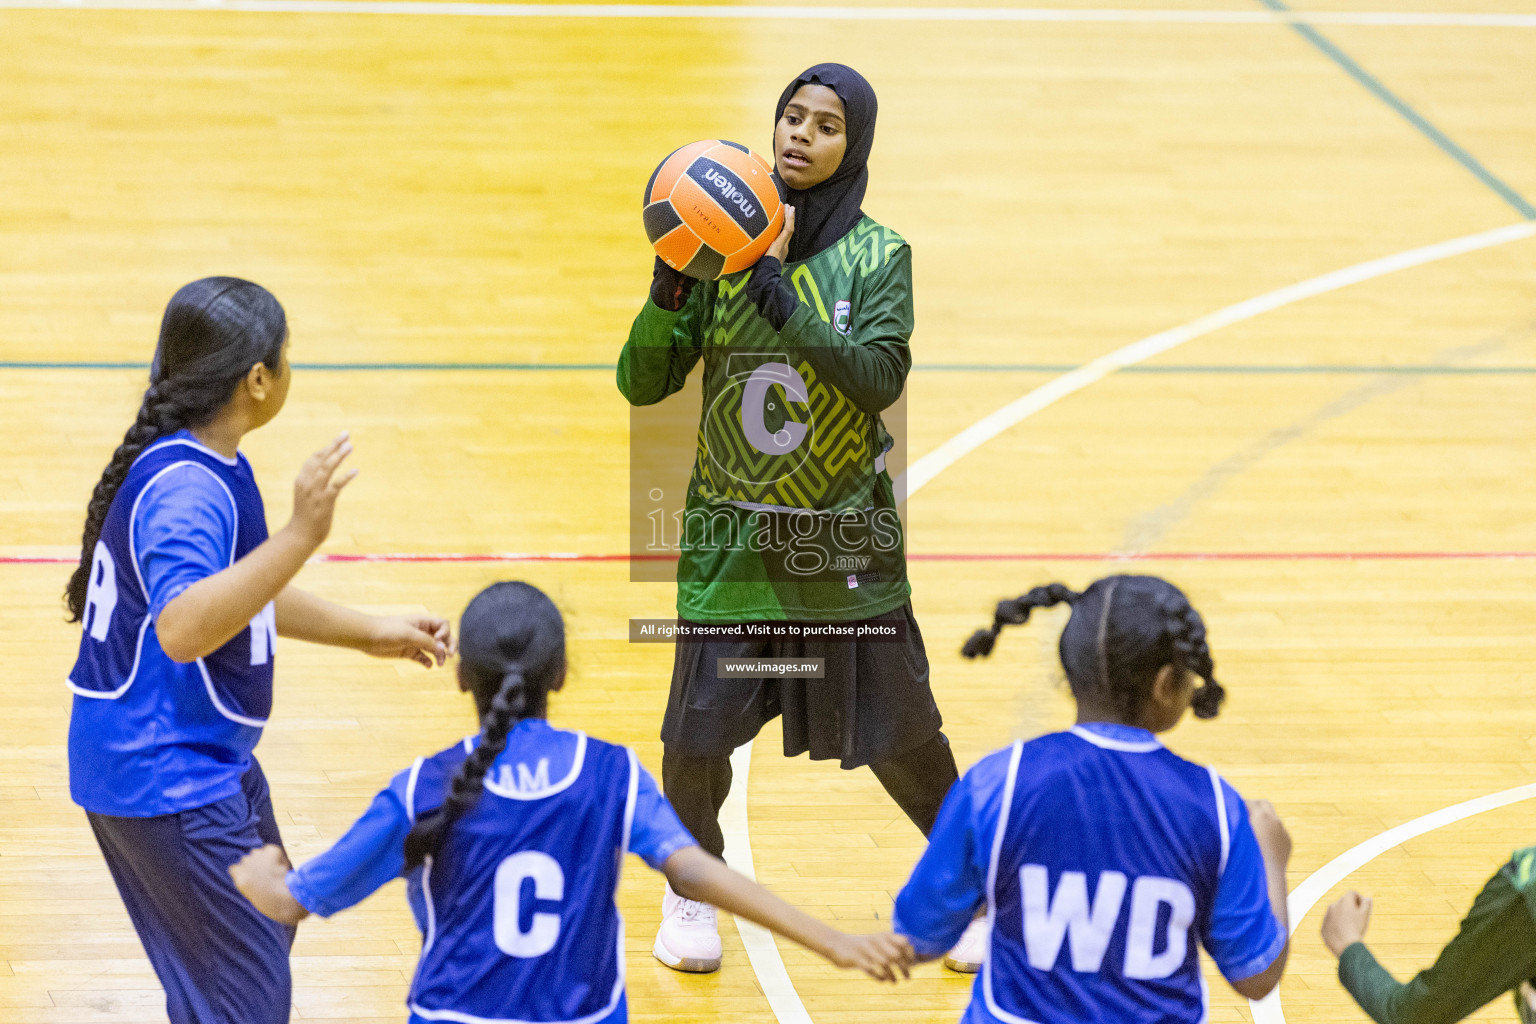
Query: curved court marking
(923,471)
(762,951)
(1435,19)
(1305,896)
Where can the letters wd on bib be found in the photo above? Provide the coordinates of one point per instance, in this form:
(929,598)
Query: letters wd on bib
(1104,861)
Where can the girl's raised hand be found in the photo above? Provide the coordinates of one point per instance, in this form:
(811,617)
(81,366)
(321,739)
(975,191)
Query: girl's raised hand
(424,640)
(316,488)
(884,956)
(779,250)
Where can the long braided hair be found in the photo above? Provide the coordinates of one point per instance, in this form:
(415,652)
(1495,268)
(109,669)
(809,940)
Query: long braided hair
(511,651)
(213,332)
(1123,629)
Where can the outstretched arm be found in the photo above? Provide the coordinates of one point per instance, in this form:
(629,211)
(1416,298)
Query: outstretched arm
(421,638)
(697,875)
(1492,953)
(371,853)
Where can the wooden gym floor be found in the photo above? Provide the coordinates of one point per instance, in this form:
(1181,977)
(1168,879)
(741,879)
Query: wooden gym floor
(1344,483)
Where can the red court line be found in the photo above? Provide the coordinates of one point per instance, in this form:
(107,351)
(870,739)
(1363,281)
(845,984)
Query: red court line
(992,556)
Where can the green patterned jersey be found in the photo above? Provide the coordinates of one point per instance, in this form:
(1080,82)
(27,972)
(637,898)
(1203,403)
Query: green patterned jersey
(789,512)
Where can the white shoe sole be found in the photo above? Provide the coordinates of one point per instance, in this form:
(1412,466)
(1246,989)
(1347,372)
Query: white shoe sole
(691,965)
(961,966)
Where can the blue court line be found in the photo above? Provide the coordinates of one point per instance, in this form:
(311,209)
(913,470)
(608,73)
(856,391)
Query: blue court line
(1412,116)
(1169,368)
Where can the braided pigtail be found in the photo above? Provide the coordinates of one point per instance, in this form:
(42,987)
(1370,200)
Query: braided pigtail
(1016,613)
(159,414)
(1186,631)
(214,331)
(509,707)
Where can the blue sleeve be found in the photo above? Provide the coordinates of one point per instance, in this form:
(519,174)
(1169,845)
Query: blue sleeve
(184,531)
(369,855)
(948,886)
(656,832)
(1245,936)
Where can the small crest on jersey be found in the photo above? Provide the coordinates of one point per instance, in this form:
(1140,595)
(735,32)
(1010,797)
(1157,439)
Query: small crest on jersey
(842,316)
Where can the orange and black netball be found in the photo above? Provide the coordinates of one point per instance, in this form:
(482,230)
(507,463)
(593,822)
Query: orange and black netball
(712,208)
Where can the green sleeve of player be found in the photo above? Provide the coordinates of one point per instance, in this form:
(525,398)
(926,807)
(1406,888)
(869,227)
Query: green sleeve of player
(870,364)
(663,348)
(1493,952)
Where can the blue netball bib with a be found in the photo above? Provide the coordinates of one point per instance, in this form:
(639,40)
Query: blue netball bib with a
(1105,863)
(149,735)
(521,924)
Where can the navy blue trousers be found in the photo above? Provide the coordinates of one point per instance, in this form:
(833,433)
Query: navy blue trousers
(219,960)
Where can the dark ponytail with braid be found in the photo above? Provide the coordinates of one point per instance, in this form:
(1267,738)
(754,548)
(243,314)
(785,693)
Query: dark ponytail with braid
(213,332)
(1016,613)
(1123,630)
(511,654)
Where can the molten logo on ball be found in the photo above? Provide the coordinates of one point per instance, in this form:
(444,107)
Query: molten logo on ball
(729,192)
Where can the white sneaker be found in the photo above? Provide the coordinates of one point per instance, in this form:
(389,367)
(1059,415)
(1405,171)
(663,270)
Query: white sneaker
(689,936)
(971,950)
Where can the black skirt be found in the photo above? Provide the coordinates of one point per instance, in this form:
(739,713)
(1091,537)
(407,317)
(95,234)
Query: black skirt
(874,702)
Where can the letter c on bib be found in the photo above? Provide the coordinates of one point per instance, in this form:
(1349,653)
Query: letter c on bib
(754,399)
(507,914)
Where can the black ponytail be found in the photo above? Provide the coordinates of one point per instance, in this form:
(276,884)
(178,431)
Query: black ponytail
(512,652)
(1016,613)
(1123,630)
(213,332)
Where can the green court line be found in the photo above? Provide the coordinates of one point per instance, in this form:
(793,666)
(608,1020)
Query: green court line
(1413,117)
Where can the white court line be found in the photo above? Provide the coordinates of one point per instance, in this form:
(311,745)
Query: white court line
(758,941)
(1305,896)
(1435,19)
(922,471)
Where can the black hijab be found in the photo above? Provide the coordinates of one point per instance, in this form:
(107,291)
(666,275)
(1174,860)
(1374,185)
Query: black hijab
(828,211)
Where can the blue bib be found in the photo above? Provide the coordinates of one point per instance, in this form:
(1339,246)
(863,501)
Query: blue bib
(1103,872)
(521,923)
(147,735)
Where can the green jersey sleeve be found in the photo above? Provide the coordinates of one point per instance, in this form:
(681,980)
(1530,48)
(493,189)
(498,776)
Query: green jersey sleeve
(1494,950)
(663,348)
(869,364)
